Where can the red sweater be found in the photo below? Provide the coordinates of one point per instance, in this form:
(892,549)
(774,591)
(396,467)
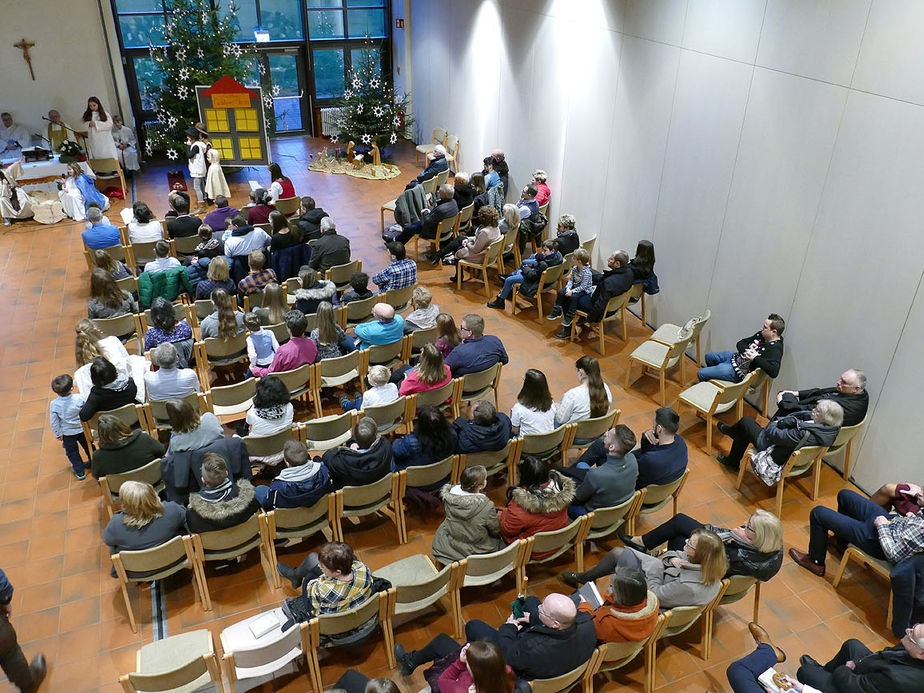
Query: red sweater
(411,384)
(458,679)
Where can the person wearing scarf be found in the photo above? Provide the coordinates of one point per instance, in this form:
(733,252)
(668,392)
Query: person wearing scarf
(222,502)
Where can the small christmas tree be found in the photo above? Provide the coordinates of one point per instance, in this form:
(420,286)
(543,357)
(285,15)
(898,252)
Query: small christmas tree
(370,111)
(197,48)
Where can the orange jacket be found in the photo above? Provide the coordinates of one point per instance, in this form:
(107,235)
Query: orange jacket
(623,623)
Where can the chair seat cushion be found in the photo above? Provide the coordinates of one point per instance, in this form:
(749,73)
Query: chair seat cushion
(650,353)
(408,571)
(667,333)
(169,654)
(390,206)
(701,395)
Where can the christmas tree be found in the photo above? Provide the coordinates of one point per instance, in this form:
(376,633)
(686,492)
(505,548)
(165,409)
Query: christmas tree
(196,47)
(370,111)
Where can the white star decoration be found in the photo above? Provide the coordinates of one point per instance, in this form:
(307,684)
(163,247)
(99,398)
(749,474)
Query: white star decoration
(396,122)
(182,92)
(334,139)
(275,90)
(172,154)
(378,111)
(393,138)
(374,83)
(356,83)
(359,109)
(348,94)
(184,73)
(367,139)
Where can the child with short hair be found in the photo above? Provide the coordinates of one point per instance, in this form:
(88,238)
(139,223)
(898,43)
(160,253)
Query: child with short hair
(580,283)
(64,415)
(380,392)
(261,344)
(359,288)
(301,484)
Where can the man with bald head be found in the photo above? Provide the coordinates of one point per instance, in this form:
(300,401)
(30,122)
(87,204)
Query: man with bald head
(849,391)
(550,639)
(58,130)
(387,327)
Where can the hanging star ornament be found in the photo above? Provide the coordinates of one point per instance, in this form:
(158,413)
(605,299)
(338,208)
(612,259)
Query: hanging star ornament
(172,154)
(378,111)
(367,139)
(276,90)
(374,83)
(334,139)
(393,139)
(359,109)
(184,73)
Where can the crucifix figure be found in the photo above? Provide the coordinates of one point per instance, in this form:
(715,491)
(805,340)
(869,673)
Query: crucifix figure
(24,46)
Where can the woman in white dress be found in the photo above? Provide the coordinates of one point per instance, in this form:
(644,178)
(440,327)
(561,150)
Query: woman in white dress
(215,183)
(99,129)
(15,203)
(77,190)
(197,163)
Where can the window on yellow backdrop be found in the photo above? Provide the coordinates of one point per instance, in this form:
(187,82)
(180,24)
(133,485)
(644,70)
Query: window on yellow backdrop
(251,148)
(225,146)
(216,120)
(246,119)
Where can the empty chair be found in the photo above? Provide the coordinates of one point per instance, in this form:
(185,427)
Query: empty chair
(228,544)
(844,441)
(739,586)
(657,496)
(295,523)
(800,462)
(422,476)
(183,662)
(546,446)
(328,432)
(585,431)
(419,584)
(551,545)
(565,682)
(712,397)
(655,356)
(259,660)
(878,566)
(670,334)
(110,484)
(488,568)
(611,656)
(359,501)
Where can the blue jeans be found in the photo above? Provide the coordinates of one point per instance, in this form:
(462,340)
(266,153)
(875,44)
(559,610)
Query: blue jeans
(70,444)
(263,493)
(354,405)
(742,674)
(511,281)
(576,511)
(852,522)
(718,366)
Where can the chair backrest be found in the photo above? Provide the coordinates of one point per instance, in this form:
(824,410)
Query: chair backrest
(399,298)
(227,543)
(264,446)
(442,177)
(237,398)
(700,322)
(675,351)
(328,431)
(465,215)
(218,348)
(157,561)
(297,379)
(173,679)
(387,414)
(560,683)
(615,654)
(656,494)
(510,239)
(606,520)
(185,245)
(435,397)
(204,308)
(129,284)
(732,392)
(846,434)
(589,245)
(556,540)
(361,310)
(129,414)
(429,474)
(279,647)
(288,205)
(144,252)
(344,621)
(445,227)
(488,459)
(494,250)
(300,521)
(429,185)
(617,303)
(539,443)
(439,136)
(452,145)
(476,383)
(340,274)
(588,429)
(368,494)
(384,353)
(158,409)
(254,300)
(550,276)
(280,331)
(179,312)
(738,586)
(420,338)
(121,326)
(424,590)
(486,568)
(801,460)
(148,474)
(341,365)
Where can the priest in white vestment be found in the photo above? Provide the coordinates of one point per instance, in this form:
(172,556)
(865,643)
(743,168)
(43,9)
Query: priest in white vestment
(99,131)
(126,143)
(13,137)
(58,130)
(15,202)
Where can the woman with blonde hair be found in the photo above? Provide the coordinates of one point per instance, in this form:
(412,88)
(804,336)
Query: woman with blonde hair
(144,521)
(107,300)
(331,339)
(543,193)
(225,322)
(90,342)
(105,261)
(190,430)
(218,276)
(510,219)
(76,190)
(429,374)
(688,577)
(448,334)
(273,310)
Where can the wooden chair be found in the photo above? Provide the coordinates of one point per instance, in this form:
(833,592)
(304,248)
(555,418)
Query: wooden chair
(548,280)
(144,318)
(129,284)
(511,247)
(276,653)
(669,334)
(844,441)
(877,565)
(203,308)
(554,543)
(464,219)
(422,476)
(227,544)
(155,410)
(712,397)
(545,446)
(280,331)
(232,400)
(337,372)
(254,300)
(126,327)
(182,662)
(800,462)
(158,563)
(295,523)
(272,444)
(419,584)
(437,397)
(582,433)
(215,351)
(340,275)
(589,246)
(565,682)
(288,205)
(184,245)
(444,231)
(474,386)
(399,299)
(388,355)
(361,310)
(130,414)
(488,568)
(738,587)
(489,260)
(655,356)
(452,152)
(141,254)
(495,462)
(439,179)
(302,383)
(607,521)
(328,431)
(391,417)
(610,657)
(359,501)
(110,484)
(615,307)
(544,234)
(657,496)
(418,339)
(116,252)
(439,137)
(109,169)
(327,625)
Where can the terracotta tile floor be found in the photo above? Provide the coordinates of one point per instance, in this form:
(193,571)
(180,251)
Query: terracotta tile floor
(67,606)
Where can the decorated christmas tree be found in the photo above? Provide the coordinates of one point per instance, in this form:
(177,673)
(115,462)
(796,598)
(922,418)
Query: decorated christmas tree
(196,47)
(370,111)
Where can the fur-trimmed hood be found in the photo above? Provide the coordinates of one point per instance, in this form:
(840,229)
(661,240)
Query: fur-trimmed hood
(324,290)
(554,497)
(651,607)
(216,512)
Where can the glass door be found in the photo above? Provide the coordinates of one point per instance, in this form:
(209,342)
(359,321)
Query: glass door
(282,76)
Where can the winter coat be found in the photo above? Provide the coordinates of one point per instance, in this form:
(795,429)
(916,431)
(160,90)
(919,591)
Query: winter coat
(437,165)
(613,283)
(475,438)
(475,249)
(623,623)
(542,509)
(672,586)
(203,516)
(167,284)
(409,205)
(300,487)
(309,224)
(124,455)
(471,526)
(328,251)
(350,467)
(532,273)
(307,300)
(744,559)
(787,433)
(182,470)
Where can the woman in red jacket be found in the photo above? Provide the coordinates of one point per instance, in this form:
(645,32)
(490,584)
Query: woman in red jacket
(431,373)
(538,504)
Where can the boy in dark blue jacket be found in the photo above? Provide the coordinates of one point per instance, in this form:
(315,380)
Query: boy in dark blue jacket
(300,485)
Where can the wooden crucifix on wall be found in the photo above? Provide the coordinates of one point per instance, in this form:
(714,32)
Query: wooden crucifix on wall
(24,46)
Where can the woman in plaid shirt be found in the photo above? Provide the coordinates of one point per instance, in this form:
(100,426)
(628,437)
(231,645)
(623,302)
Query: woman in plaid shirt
(332,580)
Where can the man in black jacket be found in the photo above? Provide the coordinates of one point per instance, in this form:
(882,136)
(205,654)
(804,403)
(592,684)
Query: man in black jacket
(182,224)
(364,459)
(222,502)
(330,249)
(549,640)
(762,350)
(615,281)
(487,431)
(445,207)
(850,392)
(309,223)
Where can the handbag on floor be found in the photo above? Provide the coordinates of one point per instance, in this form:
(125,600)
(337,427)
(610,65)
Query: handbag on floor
(765,466)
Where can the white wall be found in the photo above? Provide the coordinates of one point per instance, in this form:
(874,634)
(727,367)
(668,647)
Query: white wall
(69,59)
(771,149)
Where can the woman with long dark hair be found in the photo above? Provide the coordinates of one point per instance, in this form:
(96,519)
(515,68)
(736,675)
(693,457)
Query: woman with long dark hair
(588,400)
(99,131)
(538,503)
(478,666)
(432,440)
(144,228)
(281,186)
(107,300)
(534,411)
(284,235)
(166,328)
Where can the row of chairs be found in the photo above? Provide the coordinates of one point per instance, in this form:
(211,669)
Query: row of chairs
(443,137)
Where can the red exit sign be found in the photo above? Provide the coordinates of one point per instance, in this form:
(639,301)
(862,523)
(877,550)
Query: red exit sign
(399,23)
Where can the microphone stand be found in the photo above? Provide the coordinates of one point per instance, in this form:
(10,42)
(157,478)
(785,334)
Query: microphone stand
(81,135)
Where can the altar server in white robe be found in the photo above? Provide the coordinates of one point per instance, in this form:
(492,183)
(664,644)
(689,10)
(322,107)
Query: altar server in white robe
(126,143)
(99,131)
(58,130)
(13,137)
(15,203)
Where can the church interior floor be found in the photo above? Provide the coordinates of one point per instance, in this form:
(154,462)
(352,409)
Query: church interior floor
(67,606)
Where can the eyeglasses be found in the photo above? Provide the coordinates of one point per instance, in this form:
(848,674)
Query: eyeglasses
(689,542)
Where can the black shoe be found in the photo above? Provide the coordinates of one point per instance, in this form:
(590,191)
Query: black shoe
(503,277)
(724,461)
(572,579)
(554,315)
(404,659)
(627,541)
(808,660)
(38,668)
(289,574)
(498,303)
(564,332)
(723,428)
